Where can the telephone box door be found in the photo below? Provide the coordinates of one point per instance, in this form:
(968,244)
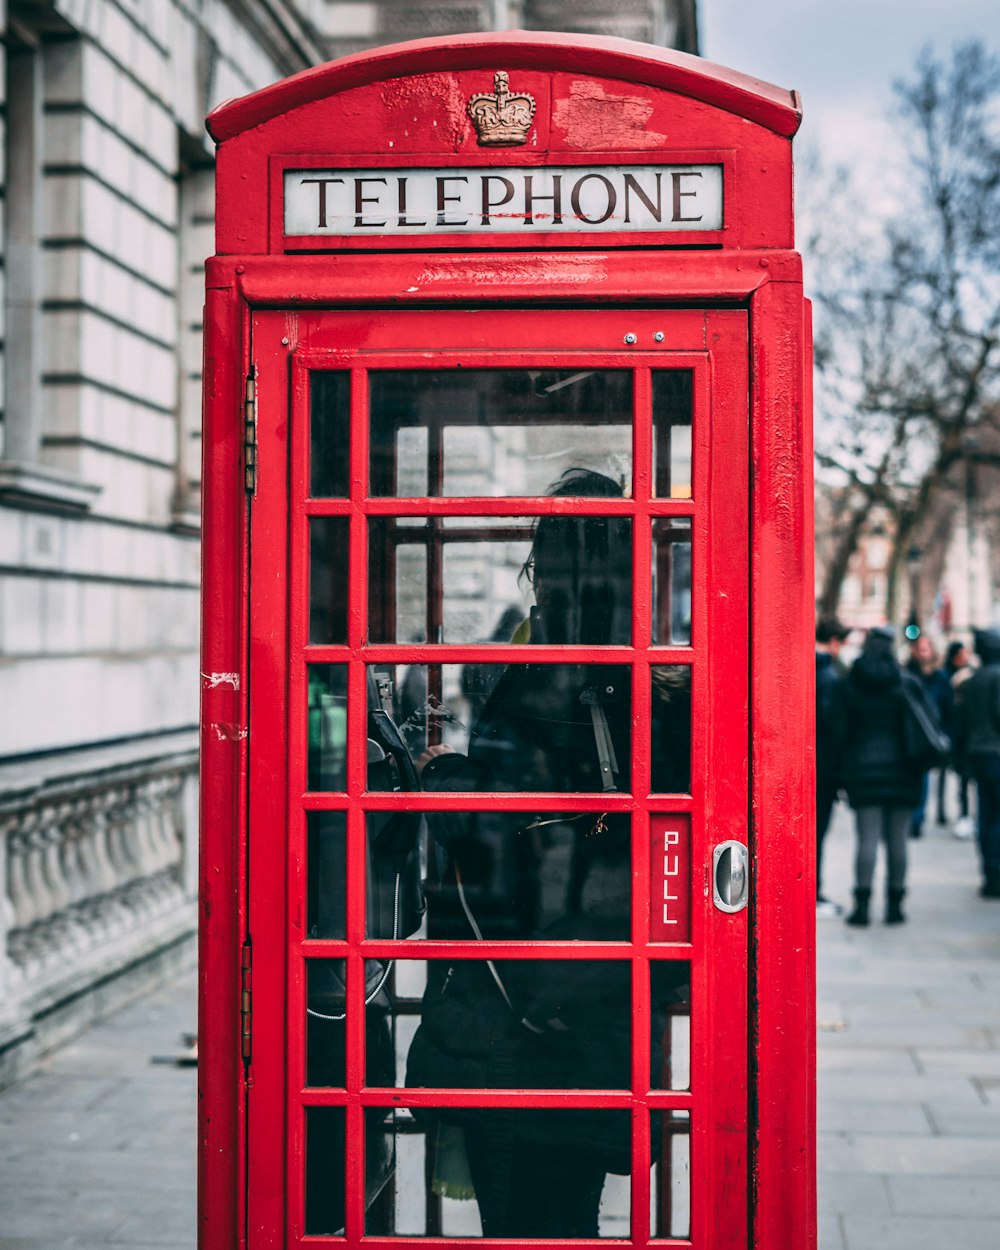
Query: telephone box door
(498,786)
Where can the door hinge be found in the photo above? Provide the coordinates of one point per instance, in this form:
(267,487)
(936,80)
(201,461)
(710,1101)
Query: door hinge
(246,1000)
(250,434)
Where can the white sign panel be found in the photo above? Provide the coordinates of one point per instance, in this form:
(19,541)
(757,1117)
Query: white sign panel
(577,199)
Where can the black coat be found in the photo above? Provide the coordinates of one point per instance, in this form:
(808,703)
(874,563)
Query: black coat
(869,728)
(827,746)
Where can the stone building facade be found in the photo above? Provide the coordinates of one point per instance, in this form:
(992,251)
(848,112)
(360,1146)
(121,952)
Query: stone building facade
(107,215)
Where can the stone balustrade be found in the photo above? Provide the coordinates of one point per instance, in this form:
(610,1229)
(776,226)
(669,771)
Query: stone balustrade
(97,873)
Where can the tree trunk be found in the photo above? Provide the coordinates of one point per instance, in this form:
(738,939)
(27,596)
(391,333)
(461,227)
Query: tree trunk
(846,546)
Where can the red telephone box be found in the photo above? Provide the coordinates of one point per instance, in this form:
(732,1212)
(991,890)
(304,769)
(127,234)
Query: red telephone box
(507,818)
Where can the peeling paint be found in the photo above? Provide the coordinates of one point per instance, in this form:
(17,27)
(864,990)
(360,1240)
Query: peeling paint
(429,95)
(214,680)
(227,731)
(594,118)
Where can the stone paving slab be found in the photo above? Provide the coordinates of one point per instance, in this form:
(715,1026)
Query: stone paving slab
(97,1147)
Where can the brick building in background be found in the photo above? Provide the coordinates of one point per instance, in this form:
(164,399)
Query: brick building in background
(107,218)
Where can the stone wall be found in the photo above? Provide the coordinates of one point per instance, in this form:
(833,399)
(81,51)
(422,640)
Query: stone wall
(108,216)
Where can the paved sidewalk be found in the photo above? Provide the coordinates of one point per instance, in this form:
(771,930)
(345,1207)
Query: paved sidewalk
(97,1148)
(909,1059)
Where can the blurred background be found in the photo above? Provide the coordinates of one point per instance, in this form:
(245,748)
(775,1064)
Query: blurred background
(107,217)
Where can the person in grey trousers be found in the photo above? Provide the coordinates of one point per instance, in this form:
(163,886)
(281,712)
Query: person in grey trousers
(882,786)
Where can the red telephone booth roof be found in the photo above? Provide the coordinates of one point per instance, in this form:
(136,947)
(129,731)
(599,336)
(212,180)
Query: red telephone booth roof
(776,109)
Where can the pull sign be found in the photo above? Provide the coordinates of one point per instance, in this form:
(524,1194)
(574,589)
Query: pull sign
(670,880)
(730,876)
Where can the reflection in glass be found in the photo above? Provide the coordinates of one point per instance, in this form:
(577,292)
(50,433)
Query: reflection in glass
(670,730)
(329,428)
(559,727)
(327,727)
(465,432)
(672,413)
(515,1024)
(525,1172)
(325,1169)
(328,542)
(326,861)
(527,876)
(670,1192)
(476,579)
(670,997)
(672,581)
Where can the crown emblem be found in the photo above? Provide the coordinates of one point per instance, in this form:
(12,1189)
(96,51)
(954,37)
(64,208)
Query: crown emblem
(503,119)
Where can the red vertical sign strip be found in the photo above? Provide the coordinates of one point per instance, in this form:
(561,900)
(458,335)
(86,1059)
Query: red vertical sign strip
(670,880)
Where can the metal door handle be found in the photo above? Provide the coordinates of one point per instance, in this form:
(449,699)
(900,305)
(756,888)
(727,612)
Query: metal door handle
(730,876)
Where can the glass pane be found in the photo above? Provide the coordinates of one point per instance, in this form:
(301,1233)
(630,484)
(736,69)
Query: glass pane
(479,579)
(672,412)
(511,1024)
(670,1001)
(326,860)
(670,744)
(325,1168)
(672,581)
(670,1192)
(526,876)
(328,540)
(559,727)
(329,429)
(327,727)
(497,431)
(525,1172)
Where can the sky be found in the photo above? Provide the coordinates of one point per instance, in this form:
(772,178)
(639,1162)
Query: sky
(841,56)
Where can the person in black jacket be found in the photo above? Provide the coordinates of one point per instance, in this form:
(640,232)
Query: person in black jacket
(923,664)
(978,719)
(547,1024)
(882,787)
(830,637)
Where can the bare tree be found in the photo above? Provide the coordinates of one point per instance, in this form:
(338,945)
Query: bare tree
(908,348)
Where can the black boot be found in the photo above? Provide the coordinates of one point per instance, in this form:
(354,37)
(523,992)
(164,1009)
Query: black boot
(894,907)
(859,916)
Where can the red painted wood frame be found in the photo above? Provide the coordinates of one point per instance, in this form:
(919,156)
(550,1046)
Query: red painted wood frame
(781,978)
(714,345)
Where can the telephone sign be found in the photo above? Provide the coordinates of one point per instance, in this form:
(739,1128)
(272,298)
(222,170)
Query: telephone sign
(506,895)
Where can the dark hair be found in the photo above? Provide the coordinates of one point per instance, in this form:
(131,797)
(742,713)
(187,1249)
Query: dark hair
(829,628)
(581,568)
(951,655)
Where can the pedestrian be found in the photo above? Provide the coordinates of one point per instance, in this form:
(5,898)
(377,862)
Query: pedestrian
(958,669)
(882,786)
(830,637)
(979,750)
(923,664)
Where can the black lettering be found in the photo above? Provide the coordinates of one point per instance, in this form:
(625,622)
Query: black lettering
(489,204)
(555,197)
(575,199)
(632,184)
(360,200)
(443,200)
(401,198)
(322,183)
(677,175)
